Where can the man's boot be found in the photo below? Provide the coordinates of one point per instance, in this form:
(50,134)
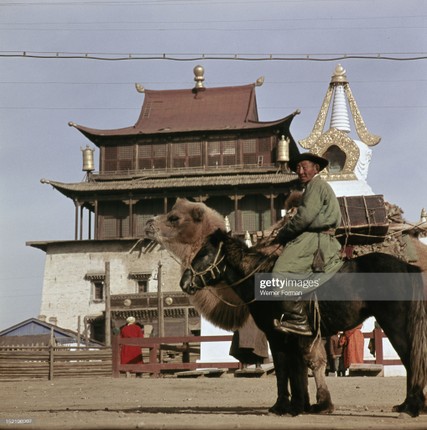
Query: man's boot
(294,319)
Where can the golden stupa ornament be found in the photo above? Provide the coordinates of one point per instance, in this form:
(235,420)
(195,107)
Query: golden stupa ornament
(339,78)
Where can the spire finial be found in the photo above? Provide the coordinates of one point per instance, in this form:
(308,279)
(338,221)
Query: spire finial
(339,76)
(199,77)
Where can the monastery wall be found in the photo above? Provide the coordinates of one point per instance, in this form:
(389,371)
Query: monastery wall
(70,268)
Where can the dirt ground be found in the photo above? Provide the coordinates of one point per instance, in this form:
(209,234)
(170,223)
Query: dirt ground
(203,403)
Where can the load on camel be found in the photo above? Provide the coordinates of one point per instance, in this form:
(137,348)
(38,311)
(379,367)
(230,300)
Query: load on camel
(405,322)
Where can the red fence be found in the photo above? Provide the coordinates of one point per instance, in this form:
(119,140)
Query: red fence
(156,345)
(378,336)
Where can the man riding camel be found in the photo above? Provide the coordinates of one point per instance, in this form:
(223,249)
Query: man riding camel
(310,244)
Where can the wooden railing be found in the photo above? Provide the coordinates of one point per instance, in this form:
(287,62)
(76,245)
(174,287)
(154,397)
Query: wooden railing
(50,362)
(378,335)
(155,345)
(20,362)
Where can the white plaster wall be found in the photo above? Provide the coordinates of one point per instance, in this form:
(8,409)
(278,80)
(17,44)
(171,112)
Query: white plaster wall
(214,351)
(67,294)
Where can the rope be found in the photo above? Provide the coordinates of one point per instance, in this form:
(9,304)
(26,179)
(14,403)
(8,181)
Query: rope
(367,215)
(226,302)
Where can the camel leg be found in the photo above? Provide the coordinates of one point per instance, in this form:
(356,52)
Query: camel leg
(298,377)
(315,357)
(291,369)
(283,404)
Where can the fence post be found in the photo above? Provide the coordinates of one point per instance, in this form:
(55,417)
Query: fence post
(378,340)
(51,355)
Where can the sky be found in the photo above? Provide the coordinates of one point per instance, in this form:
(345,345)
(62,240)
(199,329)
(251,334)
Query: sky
(63,61)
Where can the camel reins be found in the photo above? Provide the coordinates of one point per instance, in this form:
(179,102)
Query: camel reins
(214,268)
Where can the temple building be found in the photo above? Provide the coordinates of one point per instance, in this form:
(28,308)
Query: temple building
(205,144)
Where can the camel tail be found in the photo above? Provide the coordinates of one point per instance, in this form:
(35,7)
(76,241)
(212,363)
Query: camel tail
(418,331)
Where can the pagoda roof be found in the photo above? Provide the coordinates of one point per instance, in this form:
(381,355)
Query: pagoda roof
(170,183)
(187,110)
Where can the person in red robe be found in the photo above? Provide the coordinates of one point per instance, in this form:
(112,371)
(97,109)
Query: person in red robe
(131,354)
(353,342)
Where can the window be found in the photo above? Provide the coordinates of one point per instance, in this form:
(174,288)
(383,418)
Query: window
(118,158)
(96,286)
(142,286)
(256,151)
(141,281)
(113,220)
(187,154)
(249,151)
(143,211)
(98,291)
(152,156)
(222,153)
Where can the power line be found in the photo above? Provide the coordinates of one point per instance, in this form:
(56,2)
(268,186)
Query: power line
(364,19)
(205,29)
(393,56)
(162,2)
(116,108)
(269,82)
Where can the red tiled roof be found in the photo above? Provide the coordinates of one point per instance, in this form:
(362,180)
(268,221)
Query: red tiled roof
(177,111)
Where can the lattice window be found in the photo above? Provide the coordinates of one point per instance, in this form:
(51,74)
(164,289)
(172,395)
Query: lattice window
(143,211)
(214,148)
(249,146)
(114,220)
(179,150)
(187,154)
(152,156)
(118,158)
(110,158)
(222,153)
(256,214)
(98,291)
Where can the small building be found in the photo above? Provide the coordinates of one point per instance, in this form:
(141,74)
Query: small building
(34,332)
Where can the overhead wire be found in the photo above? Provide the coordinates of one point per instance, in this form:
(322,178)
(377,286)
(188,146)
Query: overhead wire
(397,56)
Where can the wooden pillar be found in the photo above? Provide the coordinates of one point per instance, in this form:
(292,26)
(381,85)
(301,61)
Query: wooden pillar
(378,341)
(78,331)
(116,356)
(160,314)
(51,354)
(130,203)
(186,322)
(76,220)
(107,305)
(81,222)
(96,223)
(273,217)
(237,214)
(89,226)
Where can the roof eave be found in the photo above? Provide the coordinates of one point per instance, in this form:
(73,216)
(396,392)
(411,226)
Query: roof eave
(98,135)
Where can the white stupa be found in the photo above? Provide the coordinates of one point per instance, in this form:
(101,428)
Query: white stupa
(349,158)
